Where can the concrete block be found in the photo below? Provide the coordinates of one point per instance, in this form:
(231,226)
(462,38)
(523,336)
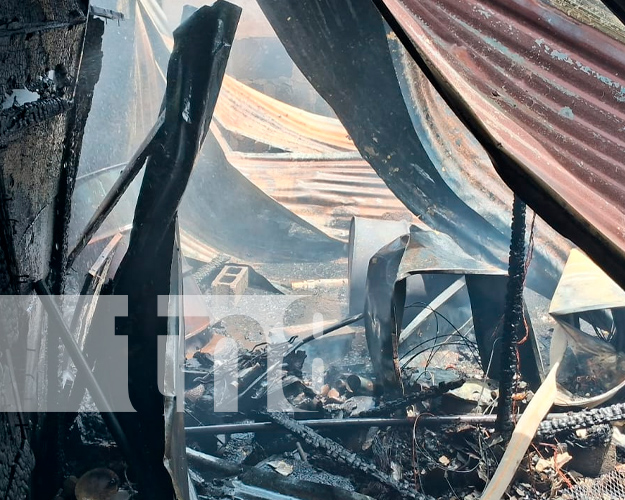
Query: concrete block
(232,280)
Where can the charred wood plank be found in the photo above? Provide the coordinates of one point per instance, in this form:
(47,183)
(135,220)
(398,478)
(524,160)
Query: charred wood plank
(342,455)
(513,319)
(581,420)
(14,120)
(402,403)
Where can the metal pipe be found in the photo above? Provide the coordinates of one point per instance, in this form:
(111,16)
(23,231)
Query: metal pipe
(332,328)
(215,464)
(82,366)
(360,385)
(426,420)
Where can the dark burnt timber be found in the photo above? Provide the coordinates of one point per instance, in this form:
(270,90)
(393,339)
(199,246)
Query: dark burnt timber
(193,80)
(91,66)
(343,455)
(343,51)
(76,117)
(35,37)
(513,319)
(15,120)
(581,420)
(388,407)
(76,120)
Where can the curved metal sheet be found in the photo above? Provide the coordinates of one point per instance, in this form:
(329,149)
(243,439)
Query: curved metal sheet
(551,91)
(584,287)
(463,163)
(342,48)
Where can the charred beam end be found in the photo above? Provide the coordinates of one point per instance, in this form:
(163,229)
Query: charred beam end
(343,455)
(581,420)
(14,120)
(402,403)
(513,318)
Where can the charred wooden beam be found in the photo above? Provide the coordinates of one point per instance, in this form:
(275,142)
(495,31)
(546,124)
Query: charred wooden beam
(17,28)
(130,172)
(343,455)
(402,403)
(513,319)
(88,77)
(582,420)
(195,73)
(17,119)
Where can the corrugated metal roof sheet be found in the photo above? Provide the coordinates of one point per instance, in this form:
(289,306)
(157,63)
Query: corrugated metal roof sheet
(551,91)
(250,113)
(325,192)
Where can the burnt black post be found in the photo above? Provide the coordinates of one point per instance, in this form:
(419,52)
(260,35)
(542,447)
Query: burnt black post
(513,317)
(194,76)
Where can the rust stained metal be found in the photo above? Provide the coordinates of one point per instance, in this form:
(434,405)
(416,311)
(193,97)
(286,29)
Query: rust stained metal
(462,161)
(250,113)
(326,192)
(551,93)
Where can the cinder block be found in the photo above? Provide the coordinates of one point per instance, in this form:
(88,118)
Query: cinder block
(232,280)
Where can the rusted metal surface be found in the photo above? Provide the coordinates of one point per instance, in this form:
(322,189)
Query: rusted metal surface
(551,93)
(326,192)
(343,49)
(250,113)
(463,163)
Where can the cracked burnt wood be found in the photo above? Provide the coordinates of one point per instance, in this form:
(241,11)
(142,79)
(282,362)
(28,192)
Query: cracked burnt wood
(193,81)
(342,49)
(344,456)
(35,37)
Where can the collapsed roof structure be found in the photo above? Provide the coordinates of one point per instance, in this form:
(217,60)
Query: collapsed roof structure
(429,118)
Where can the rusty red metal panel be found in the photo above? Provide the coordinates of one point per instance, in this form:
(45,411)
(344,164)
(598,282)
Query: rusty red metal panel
(463,162)
(550,89)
